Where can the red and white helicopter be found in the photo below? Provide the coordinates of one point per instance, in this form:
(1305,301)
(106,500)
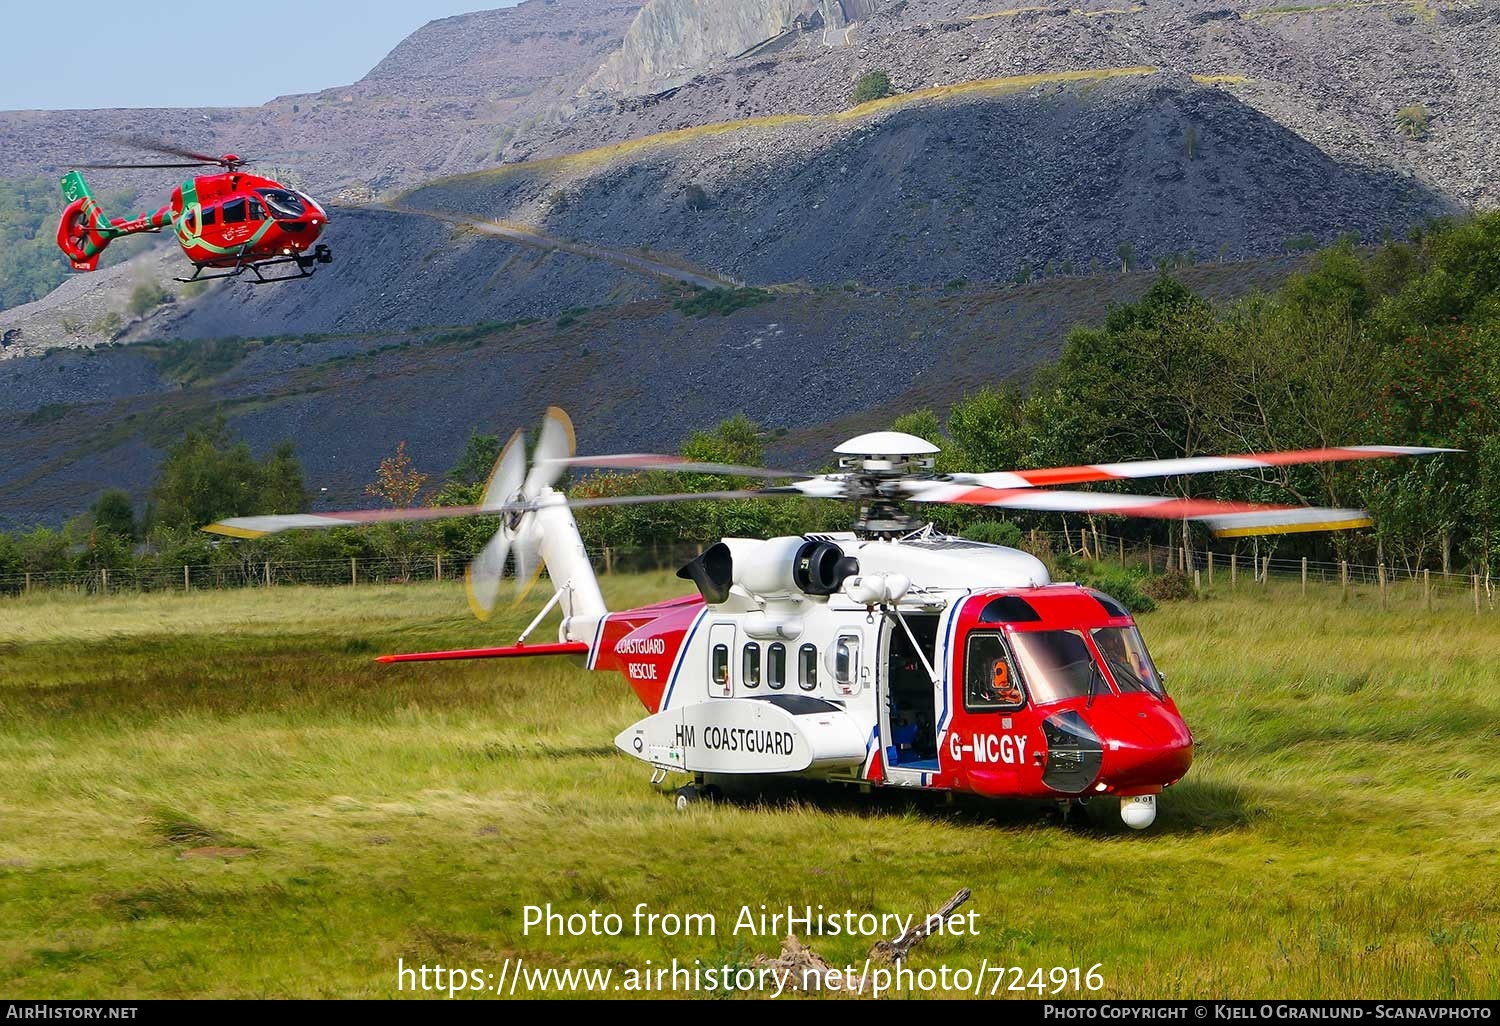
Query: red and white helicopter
(889,655)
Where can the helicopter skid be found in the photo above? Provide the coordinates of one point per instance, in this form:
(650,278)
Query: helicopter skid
(306,264)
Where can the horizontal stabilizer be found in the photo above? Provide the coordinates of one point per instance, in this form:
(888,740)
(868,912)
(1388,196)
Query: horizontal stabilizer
(509,651)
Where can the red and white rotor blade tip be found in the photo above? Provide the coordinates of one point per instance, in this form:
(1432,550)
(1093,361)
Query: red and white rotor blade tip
(1226,519)
(1133,469)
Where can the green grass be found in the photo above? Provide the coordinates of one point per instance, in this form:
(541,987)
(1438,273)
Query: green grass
(1336,836)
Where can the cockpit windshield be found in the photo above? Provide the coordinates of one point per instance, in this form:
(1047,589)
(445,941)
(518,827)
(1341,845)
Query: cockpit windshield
(283,204)
(1129,664)
(1057,665)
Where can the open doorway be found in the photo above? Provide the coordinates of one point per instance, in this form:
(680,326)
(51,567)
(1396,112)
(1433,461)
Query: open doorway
(912,743)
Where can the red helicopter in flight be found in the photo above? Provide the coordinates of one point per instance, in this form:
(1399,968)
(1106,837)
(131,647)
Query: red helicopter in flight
(227,223)
(888,655)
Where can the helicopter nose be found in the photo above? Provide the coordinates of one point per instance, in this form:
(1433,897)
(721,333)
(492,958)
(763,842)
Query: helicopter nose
(1155,749)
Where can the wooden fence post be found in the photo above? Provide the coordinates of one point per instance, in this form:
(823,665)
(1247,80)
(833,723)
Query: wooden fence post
(609,556)
(1304,575)
(1265,571)
(1476,594)
(353,571)
(437,567)
(1343,580)
(1122,552)
(1427,588)
(1197,582)
(268,573)
(1210,568)
(1380,573)
(1476,587)
(186,584)
(103,580)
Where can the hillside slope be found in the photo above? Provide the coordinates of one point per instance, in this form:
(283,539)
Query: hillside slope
(639,376)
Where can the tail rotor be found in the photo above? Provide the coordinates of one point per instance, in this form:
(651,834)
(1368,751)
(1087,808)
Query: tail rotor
(519,536)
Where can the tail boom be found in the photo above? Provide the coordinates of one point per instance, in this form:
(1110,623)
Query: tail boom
(85,230)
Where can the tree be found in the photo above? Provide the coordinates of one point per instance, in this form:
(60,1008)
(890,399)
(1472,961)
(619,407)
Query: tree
(206,477)
(1126,252)
(113,514)
(397,481)
(476,462)
(281,488)
(873,85)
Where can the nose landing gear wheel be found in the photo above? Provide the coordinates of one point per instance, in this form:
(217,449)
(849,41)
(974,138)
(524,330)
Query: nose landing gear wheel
(687,796)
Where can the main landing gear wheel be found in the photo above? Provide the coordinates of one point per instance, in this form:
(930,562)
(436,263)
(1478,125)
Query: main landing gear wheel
(687,796)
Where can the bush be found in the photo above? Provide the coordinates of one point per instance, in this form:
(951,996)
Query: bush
(1120,585)
(145,297)
(1412,121)
(721,302)
(1172,586)
(993,532)
(694,198)
(873,85)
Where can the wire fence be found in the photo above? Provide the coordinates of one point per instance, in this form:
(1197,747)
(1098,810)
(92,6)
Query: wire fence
(1208,570)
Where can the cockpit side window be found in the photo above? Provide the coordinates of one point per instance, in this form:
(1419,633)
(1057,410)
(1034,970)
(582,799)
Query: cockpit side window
(1124,651)
(990,678)
(283,204)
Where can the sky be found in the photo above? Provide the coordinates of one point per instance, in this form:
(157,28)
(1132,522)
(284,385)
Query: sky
(150,53)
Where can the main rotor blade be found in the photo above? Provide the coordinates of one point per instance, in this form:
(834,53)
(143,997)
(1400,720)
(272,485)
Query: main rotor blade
(1133,469)
(1227,519)
(656,461)
(123,167)
(141,142)
(260,526)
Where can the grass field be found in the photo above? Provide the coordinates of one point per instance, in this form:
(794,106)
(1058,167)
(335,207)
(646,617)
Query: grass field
(1338,835)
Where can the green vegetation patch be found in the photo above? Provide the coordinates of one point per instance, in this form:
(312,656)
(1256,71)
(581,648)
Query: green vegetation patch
(721,302)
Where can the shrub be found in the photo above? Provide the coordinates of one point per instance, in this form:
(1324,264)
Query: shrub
(695,198)
(1120,585)
(873,85)
(993,532)
(1172,586)
(721,302)
(145,297)
(1412,121)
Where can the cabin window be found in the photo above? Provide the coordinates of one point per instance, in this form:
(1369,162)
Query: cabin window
(1057,665)
(234,211)
(750,671)
(256,213)
(807,667)
(210,215)
(776,666)
(990,678)
(846,664)
(721,667)
(1129,663)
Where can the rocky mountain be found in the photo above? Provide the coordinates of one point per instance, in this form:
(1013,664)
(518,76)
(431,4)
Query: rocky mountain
(715,142)
(448,98)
